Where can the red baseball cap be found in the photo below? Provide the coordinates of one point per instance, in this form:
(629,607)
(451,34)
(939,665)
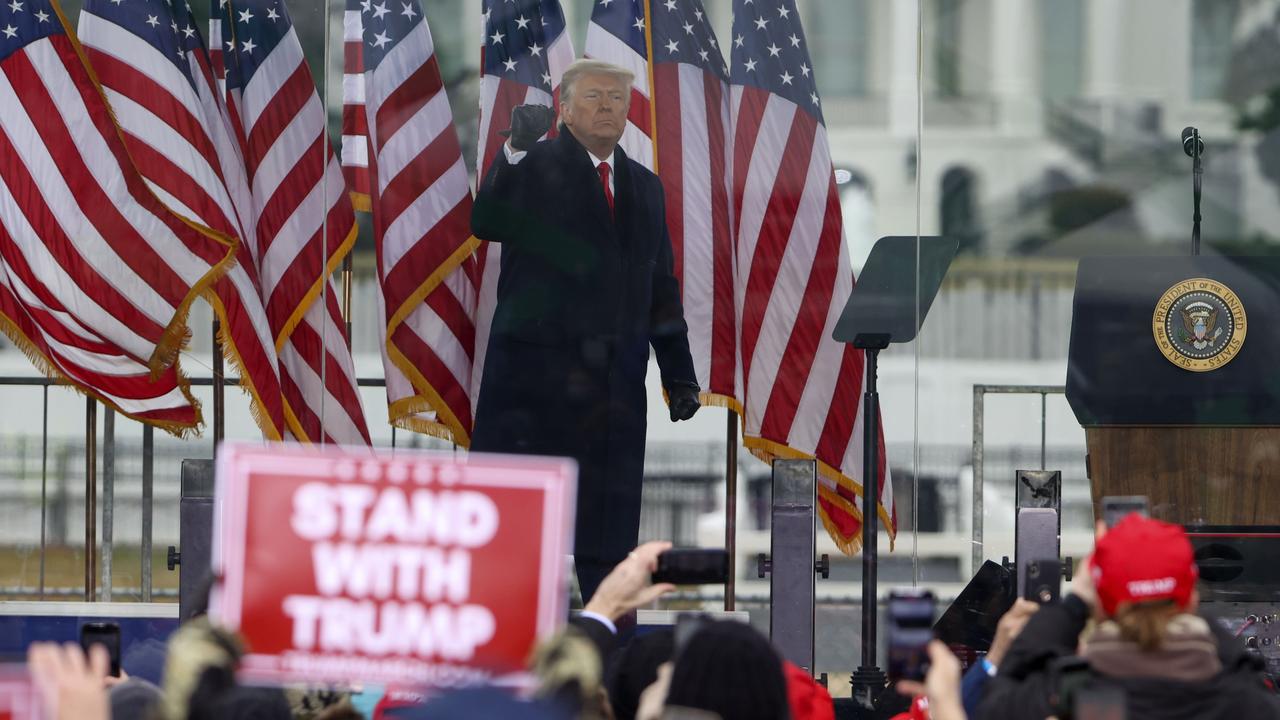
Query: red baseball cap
(1141,559)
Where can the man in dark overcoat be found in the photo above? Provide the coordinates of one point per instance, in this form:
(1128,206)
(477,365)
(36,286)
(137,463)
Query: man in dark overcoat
(586,286)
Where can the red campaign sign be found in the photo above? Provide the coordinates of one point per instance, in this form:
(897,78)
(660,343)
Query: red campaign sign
(339,565)
(18,697)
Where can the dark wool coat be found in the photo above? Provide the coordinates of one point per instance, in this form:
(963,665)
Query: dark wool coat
(581,296)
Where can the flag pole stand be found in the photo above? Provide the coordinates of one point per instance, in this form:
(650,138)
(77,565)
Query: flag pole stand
(731,508)
(346,296)
(868,681)
(219,389)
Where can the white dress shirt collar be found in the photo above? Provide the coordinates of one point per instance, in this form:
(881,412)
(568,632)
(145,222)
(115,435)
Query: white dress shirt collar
(595,163)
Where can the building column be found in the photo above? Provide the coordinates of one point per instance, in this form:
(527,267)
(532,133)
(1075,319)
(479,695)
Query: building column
(1104,49)
(1016,66)
(904,88)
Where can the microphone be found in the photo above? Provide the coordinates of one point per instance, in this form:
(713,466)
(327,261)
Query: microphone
(1191,136)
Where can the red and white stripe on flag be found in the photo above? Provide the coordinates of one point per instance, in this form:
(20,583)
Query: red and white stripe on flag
(303,218)
(399,135)
(690,109)
(161,89)
(802,389)
(524,50)
(617,35)
(355,124)
(96,274)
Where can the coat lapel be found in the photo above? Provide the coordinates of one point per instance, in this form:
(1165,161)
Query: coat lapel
(624,196)
(584,182)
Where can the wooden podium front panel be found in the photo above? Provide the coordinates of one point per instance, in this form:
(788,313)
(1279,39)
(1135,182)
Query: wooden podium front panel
(1192,475)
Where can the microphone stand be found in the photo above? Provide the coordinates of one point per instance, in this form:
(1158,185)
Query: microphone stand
(1197,170)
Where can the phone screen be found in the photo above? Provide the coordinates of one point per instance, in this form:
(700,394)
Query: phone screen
(908,632)
(106,634)
(1116,507)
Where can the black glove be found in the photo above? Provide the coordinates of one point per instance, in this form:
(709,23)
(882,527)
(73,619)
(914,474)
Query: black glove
(682,402)
(528,123)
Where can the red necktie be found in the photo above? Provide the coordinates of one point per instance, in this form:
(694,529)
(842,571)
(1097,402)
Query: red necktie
(604,182)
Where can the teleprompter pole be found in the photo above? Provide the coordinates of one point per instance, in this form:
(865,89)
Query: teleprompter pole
(869,680)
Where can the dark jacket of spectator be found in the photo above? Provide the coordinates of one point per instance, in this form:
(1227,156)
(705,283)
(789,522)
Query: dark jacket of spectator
(1200,673)
(635,668)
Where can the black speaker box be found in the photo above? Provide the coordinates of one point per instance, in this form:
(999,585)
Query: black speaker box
(1237,562)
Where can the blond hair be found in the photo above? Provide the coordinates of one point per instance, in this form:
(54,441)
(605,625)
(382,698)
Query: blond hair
(1146,623)
(587,66)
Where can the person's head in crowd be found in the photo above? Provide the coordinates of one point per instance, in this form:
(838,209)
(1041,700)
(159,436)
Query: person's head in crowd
(199,679)
(341,711)
(730,669)
(483,704)
(312,702)
(199,666)
(569,674)
(636,668)
(134,699)
(1144,573)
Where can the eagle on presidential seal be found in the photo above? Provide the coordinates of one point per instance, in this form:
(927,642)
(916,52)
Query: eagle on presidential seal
(1201,322)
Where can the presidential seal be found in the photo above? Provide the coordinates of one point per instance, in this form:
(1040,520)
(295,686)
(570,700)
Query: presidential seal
(1199,324)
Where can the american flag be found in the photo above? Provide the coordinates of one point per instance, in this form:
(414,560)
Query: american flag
(399,144)
(802,389)
(691,109)
(304,223)
(96,275)
(151,61)
(523,53)
(617,34)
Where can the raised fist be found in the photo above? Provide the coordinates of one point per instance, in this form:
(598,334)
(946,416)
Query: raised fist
(528,123)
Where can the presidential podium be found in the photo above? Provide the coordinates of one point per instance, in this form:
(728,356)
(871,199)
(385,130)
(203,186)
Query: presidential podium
(1174,373)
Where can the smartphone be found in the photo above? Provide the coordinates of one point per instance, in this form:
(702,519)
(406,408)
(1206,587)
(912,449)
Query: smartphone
(106,634)
(908,630)
(1116,507)
(1098,702)
(692,566)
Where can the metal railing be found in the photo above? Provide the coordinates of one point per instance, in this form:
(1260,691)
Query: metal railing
(980,391)
(101,555)
(682,484)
